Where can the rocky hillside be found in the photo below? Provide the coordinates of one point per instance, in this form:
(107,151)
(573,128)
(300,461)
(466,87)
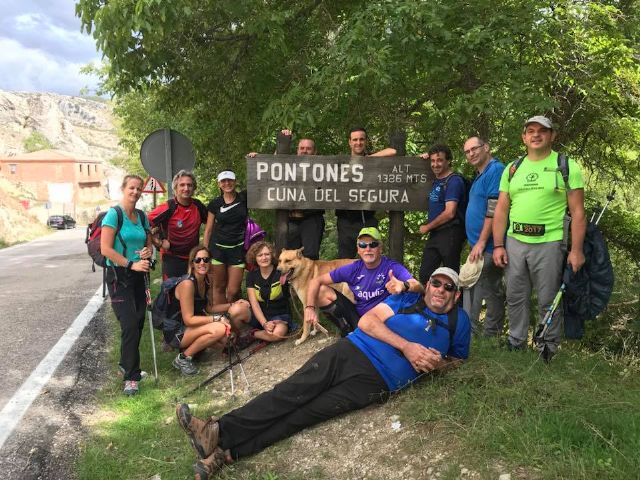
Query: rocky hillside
(73,124)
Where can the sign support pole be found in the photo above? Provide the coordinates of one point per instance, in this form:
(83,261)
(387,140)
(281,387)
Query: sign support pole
(396,219)
(283,147)
(168,163)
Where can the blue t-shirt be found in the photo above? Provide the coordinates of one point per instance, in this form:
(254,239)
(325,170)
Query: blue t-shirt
(133,234)
(486,186)
(440,195)
(392,365)
(366,284)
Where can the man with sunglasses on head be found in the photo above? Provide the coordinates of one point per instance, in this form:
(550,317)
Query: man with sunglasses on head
(388,351)
(371,279)
(532,204)
(483,198)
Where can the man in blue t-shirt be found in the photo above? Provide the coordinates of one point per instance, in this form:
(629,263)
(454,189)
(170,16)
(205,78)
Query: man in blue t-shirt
(371,279)
(445,220)
(483,198)
(388,351)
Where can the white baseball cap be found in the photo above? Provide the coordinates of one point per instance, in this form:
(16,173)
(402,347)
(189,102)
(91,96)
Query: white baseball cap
(541,119)
(226,175)
(447,272)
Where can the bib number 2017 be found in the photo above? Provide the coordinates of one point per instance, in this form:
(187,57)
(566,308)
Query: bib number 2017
(529,229)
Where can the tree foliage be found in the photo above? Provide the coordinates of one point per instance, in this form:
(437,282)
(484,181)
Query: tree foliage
(36,141)
(229,74)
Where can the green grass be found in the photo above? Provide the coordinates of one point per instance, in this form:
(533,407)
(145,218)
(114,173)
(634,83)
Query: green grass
(576,418)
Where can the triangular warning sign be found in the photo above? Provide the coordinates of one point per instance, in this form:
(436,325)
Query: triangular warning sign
(151,185)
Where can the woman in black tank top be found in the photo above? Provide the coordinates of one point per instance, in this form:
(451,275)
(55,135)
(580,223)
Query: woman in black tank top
(204,324)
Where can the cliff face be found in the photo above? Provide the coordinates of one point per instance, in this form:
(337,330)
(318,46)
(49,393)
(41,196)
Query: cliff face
(73,124)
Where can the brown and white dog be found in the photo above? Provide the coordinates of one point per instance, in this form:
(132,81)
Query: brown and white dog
(298,270)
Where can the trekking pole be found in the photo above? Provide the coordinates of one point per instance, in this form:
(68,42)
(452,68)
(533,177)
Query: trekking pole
(610,198)
(232,348)
(147,291)
(224,369)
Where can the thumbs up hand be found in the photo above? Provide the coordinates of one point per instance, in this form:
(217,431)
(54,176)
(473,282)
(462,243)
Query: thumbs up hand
(394,285)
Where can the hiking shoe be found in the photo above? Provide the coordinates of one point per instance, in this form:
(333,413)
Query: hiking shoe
(245,340)
(203,435)
(130,387)
(204,468)
(185,365)
(514,348)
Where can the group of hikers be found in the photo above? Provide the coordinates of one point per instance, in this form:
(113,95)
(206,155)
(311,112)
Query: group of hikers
(396,329)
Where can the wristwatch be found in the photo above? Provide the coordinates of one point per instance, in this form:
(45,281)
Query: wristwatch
(406,286)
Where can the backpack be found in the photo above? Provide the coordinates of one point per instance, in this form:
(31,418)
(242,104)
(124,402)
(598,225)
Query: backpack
(252,233)
(563,168)
(165,310)
(461,209)
(94,234)
(162,220)
(452,318)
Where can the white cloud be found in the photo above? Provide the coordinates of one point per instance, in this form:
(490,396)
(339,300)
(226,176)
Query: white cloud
(32,70)
(43,49)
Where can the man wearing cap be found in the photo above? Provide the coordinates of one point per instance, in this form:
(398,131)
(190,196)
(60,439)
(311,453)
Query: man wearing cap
(388,351)
(305,227)
(349,222)
(371,279)
(532,204)
(176,225)
(445,219)
(483,198)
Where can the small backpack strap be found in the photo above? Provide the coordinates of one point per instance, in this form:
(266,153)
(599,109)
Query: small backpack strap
(563,167)
(120,215)
(514,166)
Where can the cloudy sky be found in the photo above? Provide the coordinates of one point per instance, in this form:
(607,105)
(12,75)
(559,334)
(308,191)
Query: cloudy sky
(42,48)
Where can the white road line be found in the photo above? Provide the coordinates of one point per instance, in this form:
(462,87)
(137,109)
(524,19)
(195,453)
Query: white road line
(17,406)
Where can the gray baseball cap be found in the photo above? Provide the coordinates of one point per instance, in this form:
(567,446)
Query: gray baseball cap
(541,119)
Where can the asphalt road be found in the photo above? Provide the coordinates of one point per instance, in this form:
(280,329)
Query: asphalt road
(44,286)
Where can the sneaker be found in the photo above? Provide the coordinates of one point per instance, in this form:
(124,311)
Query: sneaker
(203,435)
(205,467)
(185,365)
(130,387)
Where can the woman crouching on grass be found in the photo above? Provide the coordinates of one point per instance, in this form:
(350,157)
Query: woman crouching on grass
(202,325)
(271,314)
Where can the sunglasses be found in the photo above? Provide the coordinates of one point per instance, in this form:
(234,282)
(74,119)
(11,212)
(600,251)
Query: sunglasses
(449,287)
(201,259)
(373,244)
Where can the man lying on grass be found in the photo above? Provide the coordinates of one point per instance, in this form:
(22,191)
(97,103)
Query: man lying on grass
(395,343)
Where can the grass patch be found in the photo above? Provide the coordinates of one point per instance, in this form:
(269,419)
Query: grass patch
(575,418)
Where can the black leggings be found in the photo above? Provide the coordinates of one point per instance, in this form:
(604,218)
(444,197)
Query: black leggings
(128,300)
(336,380)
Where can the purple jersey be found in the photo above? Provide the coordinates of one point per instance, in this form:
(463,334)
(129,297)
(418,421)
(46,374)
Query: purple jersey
(366,284)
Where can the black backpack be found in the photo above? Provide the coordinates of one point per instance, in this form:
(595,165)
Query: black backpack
(452,318)
(461,209)
(165,311)
(563,168)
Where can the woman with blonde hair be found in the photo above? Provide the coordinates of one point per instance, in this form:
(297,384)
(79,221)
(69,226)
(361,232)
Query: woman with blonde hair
(126,243)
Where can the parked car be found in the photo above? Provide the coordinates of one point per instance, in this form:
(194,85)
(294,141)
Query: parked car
(61,222)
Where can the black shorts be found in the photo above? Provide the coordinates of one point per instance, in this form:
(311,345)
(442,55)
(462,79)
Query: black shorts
(173,266)
(223,255)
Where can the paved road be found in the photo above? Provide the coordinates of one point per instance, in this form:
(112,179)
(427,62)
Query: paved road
(44,285)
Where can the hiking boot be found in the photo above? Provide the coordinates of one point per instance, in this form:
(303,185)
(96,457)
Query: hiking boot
(203,435)
(185,365)
(514,348)
(130,387)
(204,468)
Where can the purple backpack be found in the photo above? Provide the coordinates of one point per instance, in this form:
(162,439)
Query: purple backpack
(252,233)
